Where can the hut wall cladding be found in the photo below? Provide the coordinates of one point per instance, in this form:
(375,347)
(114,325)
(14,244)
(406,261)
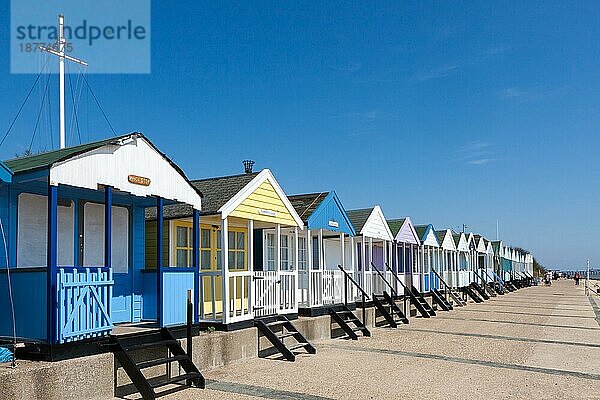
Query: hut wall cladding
(151,244)
(329,210)
(264,198)
(376,227)
(405,234)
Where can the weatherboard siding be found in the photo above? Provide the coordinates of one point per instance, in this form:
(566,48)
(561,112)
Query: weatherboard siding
(405,234)
(376,227)
(330,210)
(264,199)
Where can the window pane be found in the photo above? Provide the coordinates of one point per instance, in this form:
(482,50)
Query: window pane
(182,258)
(205,238)
(231,241)
(241,240)
(240,260)
(182,236)
(219,260)
(231,259)
(205,259)
(219,239)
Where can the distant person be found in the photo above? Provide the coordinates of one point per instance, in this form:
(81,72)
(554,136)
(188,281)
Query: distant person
(577,278)
(548,279)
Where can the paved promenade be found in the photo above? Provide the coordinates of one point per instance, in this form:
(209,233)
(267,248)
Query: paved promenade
(536,343)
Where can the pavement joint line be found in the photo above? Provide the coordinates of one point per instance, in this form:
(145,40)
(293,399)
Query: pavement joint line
(523,313)
(499,337)
(595,308)
(493,364)
(521,323)
(260,391)
(583,308)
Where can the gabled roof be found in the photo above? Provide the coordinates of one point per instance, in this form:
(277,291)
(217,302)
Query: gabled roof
(46,159)
(322,210)
(427,235)
(217,191)
(395,225)
(446,240)
(359,217)
(108,162)
(370,222)
(403,230)
(306,204)
(223,194)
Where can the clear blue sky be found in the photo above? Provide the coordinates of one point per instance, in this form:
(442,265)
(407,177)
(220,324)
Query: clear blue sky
(450,112)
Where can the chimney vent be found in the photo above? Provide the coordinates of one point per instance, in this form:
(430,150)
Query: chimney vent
(248,164)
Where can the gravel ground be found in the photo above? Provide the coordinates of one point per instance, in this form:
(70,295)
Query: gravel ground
(540,342)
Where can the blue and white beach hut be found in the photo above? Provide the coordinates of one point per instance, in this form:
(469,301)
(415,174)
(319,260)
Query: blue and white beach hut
(73,220)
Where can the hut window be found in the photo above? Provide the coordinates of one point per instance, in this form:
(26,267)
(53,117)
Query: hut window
(183,244)
(315,252)
(205,248)
(285,249)
(270,251)
(302,253)
(32,223)
(237,249)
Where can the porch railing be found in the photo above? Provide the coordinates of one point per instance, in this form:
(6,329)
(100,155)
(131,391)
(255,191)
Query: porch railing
(266,293)
(287,292)
(333,291)
(240,302)
(83,303)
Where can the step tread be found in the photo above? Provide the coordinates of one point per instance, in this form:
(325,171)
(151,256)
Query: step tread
(160,361)
(297,346)
(175,379)
(146,345)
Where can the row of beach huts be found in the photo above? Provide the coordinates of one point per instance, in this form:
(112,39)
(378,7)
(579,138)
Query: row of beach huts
(113,234)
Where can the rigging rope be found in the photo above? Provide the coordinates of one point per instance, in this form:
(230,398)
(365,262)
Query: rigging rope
(24,101)
(99,106)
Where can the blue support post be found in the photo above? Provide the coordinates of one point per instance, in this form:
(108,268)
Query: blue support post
(52,260)
(159,260)
(196,262)
(108,195)
(107,226)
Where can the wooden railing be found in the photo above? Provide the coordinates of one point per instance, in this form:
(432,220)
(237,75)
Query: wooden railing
(84,296)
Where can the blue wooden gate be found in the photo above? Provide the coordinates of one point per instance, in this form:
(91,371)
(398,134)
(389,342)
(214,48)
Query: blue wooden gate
(83,298)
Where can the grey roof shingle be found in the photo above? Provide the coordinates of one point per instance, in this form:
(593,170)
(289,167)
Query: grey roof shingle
(216,191)
(306,204)
(358,218)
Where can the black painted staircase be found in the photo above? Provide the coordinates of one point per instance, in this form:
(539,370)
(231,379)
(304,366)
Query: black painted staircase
(498,288)
(348,322)
(280,332)
(509,286)
(457,297)
(472,294)
(440,300)
(420,303)
(163,349)
(480,291)
(386,307)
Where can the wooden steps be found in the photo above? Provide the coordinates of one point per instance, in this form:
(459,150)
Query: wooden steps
(277,329)
(159,341)
(348,322)
(440,300)
(472,294)
(420,303)
(387,308)
(480,291)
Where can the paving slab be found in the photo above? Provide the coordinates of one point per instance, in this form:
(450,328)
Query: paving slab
(539,342)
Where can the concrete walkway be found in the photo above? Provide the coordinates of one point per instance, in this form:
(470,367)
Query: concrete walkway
(536,343)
